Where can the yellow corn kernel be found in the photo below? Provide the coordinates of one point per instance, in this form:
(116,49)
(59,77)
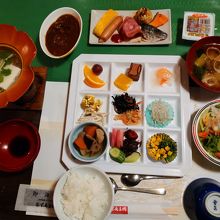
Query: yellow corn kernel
(152,145)
(162,151)
(170,153)
(157,142)
(157,155)
(150,150)
(165,156)
(153,139)
(151,153)
(158,138)
(167,148)
(153,150)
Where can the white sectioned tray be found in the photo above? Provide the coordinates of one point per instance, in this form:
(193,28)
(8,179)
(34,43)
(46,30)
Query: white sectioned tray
(146,90)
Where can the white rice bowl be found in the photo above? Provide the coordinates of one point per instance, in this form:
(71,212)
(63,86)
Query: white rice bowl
(83,193)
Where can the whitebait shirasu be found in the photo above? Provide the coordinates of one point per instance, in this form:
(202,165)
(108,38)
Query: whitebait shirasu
(160,112)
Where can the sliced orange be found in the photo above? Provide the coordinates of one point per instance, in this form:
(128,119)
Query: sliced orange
(91,79)
(90,84)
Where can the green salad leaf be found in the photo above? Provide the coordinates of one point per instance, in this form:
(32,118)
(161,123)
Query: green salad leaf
(212,143)
(5,72)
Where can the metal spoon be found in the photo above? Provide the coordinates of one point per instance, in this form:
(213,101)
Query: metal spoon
(159,191)
(134,179)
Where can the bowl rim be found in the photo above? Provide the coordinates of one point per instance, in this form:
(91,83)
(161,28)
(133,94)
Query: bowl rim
(60,183)
(195,133)
(49,20)
(35,132)
(75,153)
(190,58)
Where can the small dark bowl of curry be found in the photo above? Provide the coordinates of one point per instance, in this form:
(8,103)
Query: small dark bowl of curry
(60,32)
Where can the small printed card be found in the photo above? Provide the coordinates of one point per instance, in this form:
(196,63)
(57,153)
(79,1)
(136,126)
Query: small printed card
(31,199)
(197,25)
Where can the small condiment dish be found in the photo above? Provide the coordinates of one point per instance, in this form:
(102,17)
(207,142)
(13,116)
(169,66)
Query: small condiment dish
(74,149)
(49,21)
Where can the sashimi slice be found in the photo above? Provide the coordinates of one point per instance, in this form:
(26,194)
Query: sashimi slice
(113,137)
(120,137)
(163,76)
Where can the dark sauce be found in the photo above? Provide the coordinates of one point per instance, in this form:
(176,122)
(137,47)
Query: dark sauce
(62,35)
(19,146)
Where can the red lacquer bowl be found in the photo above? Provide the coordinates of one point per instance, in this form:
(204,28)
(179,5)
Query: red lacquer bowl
(19,145)
(192,55)
(23,45)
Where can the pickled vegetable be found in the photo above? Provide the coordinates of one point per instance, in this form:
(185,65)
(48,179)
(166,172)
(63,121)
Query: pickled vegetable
(117,155)
(135,156)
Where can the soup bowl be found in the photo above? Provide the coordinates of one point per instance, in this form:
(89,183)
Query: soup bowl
(60,32)
(19,145)
(200,60)
(17,50)
(206,131)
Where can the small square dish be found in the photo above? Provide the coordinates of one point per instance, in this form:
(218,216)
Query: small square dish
(197,25)
(156,31)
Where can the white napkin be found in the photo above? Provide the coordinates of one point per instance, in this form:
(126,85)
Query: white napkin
(48,165)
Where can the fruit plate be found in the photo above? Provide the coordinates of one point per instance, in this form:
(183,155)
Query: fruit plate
(146,90)
(96,15)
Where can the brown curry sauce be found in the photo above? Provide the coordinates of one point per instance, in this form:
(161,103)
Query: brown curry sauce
(62,35)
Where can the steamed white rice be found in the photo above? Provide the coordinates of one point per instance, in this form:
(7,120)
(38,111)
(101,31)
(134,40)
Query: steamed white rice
(84,197)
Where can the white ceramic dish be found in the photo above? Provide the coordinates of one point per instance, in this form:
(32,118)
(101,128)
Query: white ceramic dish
(96,15)
(82,170)
(49,20)
(74,133)
(195,126)
(145,90)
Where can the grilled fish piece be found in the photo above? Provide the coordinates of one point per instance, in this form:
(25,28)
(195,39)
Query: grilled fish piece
(152,34)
